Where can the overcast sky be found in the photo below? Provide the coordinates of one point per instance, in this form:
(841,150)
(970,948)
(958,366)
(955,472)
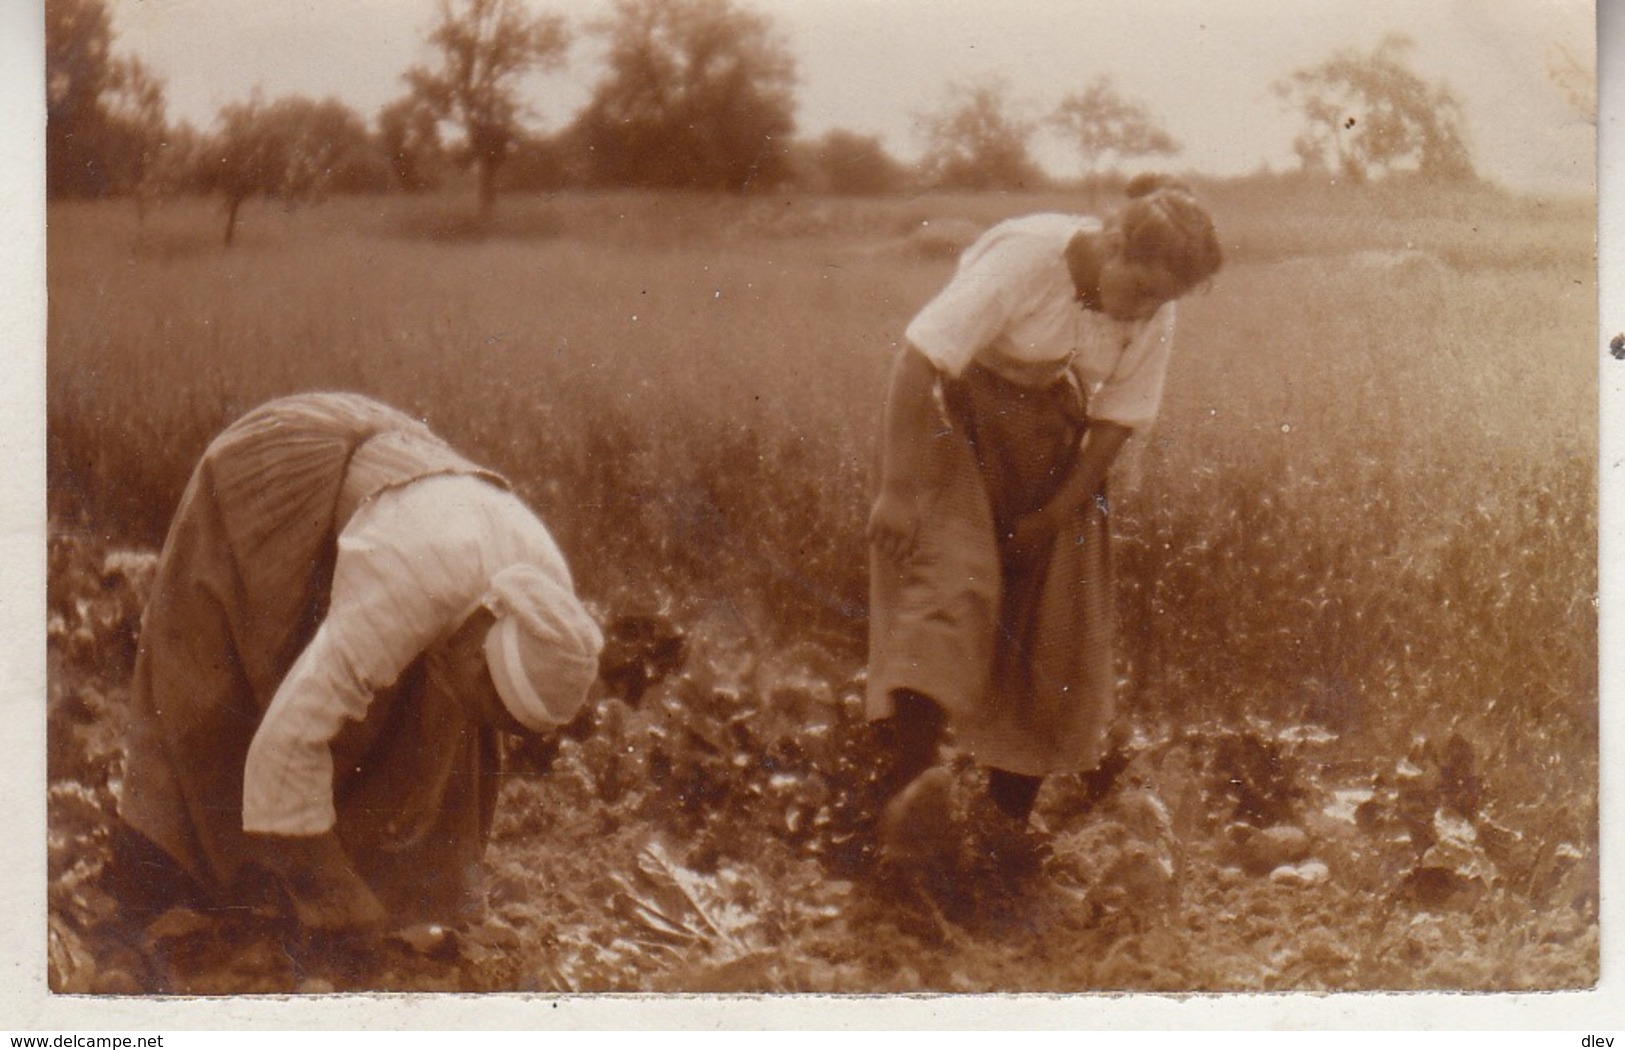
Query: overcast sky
(1524,69)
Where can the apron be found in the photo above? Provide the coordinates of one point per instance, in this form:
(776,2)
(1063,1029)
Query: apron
(1018,650)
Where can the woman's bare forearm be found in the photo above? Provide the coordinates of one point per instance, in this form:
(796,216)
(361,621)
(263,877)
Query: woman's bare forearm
(909,408)
(894,520)
(1102,443)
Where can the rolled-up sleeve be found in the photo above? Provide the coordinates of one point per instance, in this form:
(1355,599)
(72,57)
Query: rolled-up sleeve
(1131,395)
(991,286)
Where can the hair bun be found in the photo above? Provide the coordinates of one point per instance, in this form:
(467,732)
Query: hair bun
(1147,183)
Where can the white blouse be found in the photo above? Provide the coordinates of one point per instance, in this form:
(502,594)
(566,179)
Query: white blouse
(1012,296)
(413,563)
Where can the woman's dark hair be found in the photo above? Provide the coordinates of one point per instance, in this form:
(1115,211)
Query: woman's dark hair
(1165,225)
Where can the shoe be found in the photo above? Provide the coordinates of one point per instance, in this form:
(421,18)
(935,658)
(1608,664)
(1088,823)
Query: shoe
(1006,847)
(917,825)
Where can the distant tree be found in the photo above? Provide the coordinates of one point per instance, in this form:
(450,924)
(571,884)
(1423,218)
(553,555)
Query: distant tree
(104,112)
(1576,78)
(1369,114)
(329,149)
(543,163)
(698,94)
(78,45)
(977,139)
(174,165)
(486,49)
(409,138)
(137,129)
(240,160)
(289,149)
(848,163)
(1107,128)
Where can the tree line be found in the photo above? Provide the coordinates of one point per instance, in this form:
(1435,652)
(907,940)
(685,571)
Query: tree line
(693,94)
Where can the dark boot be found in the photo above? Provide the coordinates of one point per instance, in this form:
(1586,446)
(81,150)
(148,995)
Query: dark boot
(1003,840)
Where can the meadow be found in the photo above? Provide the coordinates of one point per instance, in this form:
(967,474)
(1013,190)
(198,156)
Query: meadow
(1356,561)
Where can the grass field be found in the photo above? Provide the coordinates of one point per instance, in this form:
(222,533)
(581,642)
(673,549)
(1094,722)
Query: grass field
(1363,532)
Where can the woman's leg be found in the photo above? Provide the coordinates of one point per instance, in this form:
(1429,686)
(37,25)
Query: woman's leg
(915,730)
(1013,793)
(1000,831)
(916,826)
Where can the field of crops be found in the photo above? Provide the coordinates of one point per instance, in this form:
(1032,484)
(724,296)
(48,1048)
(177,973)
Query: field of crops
(1356,559)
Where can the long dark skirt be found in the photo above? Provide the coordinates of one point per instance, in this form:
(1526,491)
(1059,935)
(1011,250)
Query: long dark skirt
(1017,648)
(241,587)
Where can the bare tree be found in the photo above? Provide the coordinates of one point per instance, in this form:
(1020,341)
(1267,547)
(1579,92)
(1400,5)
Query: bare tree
(1108,128)
(977,139)
(486,48)
(699,94)
(1370,114)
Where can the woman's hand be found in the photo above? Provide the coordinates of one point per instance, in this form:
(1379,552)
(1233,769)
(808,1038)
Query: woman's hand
(1034,532)
(894,524)
(328,896)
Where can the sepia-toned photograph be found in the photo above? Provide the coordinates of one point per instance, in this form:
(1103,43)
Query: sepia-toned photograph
(821,497)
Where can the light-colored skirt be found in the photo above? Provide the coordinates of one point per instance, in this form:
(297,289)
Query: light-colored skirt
(1017,650)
